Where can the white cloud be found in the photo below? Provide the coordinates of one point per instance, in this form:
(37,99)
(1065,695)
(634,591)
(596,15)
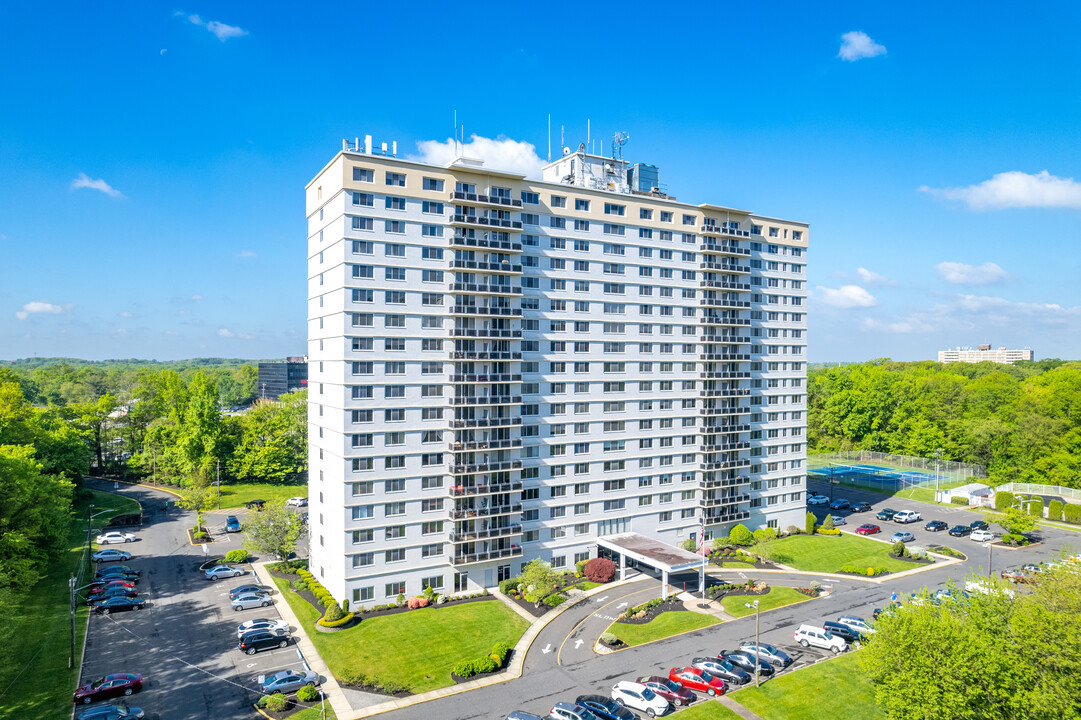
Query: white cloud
(846,296)
(1015,190)
(246,254)
(226,333)
(962,274)
(196,297)
(125,314)
(222,31)
(976,315)
(37,307)
(502,153)
(873,278)
(85,182)
(857,45)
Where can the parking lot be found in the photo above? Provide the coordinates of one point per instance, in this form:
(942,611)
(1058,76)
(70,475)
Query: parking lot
(184,641)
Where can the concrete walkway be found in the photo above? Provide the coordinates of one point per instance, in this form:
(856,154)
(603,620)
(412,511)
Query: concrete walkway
(738,709)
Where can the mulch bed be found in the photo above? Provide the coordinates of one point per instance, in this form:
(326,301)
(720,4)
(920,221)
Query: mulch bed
(200,541)
(374,690)
(757,562)
(568,581)
(742,590)
(671,605)
(914,561)
(459,680)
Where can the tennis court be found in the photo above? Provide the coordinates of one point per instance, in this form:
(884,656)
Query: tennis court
(875,476)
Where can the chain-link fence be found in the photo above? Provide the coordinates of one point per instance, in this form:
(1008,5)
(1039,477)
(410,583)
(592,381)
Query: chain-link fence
(885,470)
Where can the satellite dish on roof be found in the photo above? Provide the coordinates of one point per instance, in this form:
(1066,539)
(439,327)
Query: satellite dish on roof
(581,147)
(566,151)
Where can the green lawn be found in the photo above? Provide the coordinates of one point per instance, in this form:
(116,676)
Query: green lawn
(820,553)
(584,585)
(417,648)
(837,688)
(704,709)
(735,565)
(667,624)
(236,495)
(736,605)
(40,657)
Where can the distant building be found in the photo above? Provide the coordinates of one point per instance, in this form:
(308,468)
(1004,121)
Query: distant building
(984,353)
(282,376)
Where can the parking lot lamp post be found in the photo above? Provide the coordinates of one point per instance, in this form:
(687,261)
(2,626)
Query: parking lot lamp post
(990,543)
(757,657)
(938,458)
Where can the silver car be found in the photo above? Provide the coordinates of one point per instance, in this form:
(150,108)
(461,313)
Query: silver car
(286,681)
(260,624)
(223,571)
(251,600)
(110,555)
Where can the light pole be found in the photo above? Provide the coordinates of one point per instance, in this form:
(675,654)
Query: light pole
(702,549)
(989,545)
(219,484)
(71,582)
(938,458)
(757,657)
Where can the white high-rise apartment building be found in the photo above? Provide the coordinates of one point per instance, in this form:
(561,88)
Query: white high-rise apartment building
(984,353)
(504,369)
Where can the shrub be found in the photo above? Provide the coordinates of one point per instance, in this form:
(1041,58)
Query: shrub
(827,524)
(275,702)
(463,668)
(815,586)
(1015,539)
(440,599)
(391,687)
(1035,507)
(401,599)
(506,586)
(898,549)
(345,620)
(959,500)
(1054,510)
(300,585)
(501,650)
(580,567)
(418,602)
(809,523)
(600,570)
(827,531)
(1003,500)
(554,599)
(307,694)
(429,593)
(345,606)
(793,530)
(721,541)
(484,665)
(609,639)
(333,613)
(906,553)
(765,535)
(236,556)
(1071,513)
(740,535)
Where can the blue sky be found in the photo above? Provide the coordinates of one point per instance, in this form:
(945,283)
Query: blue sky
(153,157)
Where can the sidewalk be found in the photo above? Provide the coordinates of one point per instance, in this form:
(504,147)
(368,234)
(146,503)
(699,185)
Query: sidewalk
(738,709)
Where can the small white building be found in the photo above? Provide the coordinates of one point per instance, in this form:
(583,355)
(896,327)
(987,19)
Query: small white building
(974,493)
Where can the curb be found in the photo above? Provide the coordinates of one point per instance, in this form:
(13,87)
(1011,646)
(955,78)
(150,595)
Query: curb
(142,485)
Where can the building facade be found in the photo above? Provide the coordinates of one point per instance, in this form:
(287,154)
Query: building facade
(279,377)
(504,369)
(984,353)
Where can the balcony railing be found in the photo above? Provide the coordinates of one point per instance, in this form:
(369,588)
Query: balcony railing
(725,285)
(724,267)
(485,422)
(722,230)
(503,267)
(724,500)
(496,466)
(723,249)
(733,410)
(717,515)
(714,320)
(726,339)
(484,288)
(723,429)
(727,465)
(474,512)
(724,356)
(493,489)
(496,378)
(724,374)
(465,536)
(724,447)
(485,444)
(726,482)
(481,310)
(463,241)
(725,392)
(482,199)
(464,559)
(724,302)
(485,355)
(487,400)
(485,333)
(498,223)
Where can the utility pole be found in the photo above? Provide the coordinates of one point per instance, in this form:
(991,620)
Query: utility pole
(989,545)
(71,601)
(938,458)
(219,484)
(757,657)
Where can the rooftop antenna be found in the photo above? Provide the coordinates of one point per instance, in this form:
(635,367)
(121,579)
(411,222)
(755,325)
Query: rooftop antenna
(587,132)
(618,142)
(549,137)
(455,132)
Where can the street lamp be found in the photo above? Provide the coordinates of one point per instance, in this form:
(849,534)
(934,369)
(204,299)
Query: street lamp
(71,582)
(757,657)
(938,458)
(989,546)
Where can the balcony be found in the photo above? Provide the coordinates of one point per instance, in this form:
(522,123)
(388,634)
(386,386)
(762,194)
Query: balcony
(486,467)
(465,559)
(723,500)
(725,285)
(485,422)
(496,267)
(493,489)
(724,303)
(463,241)
(486,222)
(715,320)
(723,249)
(465,536)
(731,410)
(724,447)
(484,288)
(724,231)
(717,515)
(474,512)
(489,311)
(723,429)
(723,356)
(726,339)
(726,482)
(485,444)
(483,333)
(487,355)
(725,392)
(487,400)
(727,464)
(480,199)
(496,378)
(725,267)
(724,374)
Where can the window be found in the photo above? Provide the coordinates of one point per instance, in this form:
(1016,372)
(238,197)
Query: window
(363,175)
(613,209)
(363,199)
(363,594)
(581,205)
(394,273)
(431,253)
(645,214)
(395,203)
(394,589)
(363,559)
(396,179)
(530,198)
(581,225)
(559,201)
(360,223)
(432,184)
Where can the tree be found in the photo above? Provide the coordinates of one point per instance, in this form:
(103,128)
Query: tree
(94,416)
(538,581)
(740,535)
(1015,521)
(827,524)
(273,445)
(811,522)
(274,531)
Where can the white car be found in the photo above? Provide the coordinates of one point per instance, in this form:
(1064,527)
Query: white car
(638,697)
(907,516)
(261,624)
(817,500)
(223,571)
(857,624)
(247,601)
(297,502)
(114,536)
(982,535)
(807,635)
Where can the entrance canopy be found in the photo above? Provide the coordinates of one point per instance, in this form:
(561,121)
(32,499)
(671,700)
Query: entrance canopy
(654,553)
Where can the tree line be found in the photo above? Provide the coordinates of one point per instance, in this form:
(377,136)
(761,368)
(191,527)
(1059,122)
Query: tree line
(1022,421)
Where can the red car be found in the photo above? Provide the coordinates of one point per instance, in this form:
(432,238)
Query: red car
(695,679)
(668,690)
(98,588)
(868,529)
(109,686)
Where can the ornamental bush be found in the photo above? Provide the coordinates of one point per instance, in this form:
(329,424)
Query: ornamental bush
(418,602)
(345,620)
(1035,506)
(580,567)
(333,613)
(484,665)
(765,535)
(307,694)
(827,531)
(463,668)
(1003,500)
(1071,513)
(599,570)
(1054,510)
(740,535)
(401,599)
(959,500)
(827,524)
(608,638)
(810,522)
(300,585)
(898,549)
(555,599)
(275,702)
(236,556)
(506,586)
(501,650)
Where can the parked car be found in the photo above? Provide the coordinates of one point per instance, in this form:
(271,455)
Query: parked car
(100,580)
(119,603)
(1018,576)
(109,686)
(698,680)
(772,655)
(286,681)
(879,612)
(639,697)
(748,661)
(250,588)
(112,593)
(838,520)
(907,516)
(256,640)
(112,569)
(813,499)
(523,715)
(604,708)
(251,600)
(110,555)
(978,525)
(982,535)
(114,536)
(260,624)
(732,674)
(223,571)
(846,633)
(255,504)
(936,526)
(861,507)
(886,514)
(111,712)
(839,504)
(232,524)
(100,587)
(960,530)
(807,635)
(986,586)
(298,502)
(858,624)
(570,711)
(868,529)
(668,689)
(902,536)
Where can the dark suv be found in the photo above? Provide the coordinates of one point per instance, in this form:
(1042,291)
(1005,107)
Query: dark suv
(255,504)
(258,640)
(886,514)
(960,530)
(842,631)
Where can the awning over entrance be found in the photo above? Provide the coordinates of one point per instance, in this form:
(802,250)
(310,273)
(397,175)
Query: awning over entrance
(652,552)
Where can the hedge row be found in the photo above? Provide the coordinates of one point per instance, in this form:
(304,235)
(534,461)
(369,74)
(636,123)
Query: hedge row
(322,595)
(485,664)
(868,571)
(827,531)
(344,620)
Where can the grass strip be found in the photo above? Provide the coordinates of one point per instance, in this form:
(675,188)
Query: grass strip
(667,624)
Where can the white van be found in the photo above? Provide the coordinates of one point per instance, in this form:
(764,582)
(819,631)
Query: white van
(807,635)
